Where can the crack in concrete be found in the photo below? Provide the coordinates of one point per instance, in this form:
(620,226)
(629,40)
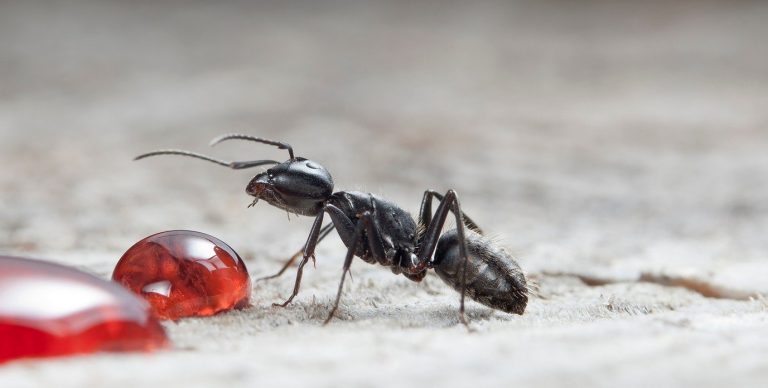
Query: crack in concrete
(699,286)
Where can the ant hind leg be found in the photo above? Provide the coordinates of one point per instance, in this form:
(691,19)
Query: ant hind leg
(449,203)
(425,211)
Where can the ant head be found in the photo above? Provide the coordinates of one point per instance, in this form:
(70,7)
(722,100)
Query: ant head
(297,185)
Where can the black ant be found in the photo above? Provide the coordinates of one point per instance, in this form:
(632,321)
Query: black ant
(379,231)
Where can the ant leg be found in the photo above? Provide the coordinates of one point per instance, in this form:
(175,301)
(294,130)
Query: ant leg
(309,252)
(296,285)
(429,240)
(364,223)
(343,226)
(325,231)
(425,211)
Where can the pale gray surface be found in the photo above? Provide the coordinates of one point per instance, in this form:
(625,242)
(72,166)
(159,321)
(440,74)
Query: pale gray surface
(599,140)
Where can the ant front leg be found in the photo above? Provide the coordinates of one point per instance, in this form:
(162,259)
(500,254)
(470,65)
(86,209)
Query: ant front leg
(364,224)
(325,231)
(343,226)
(448,203)
(309,252)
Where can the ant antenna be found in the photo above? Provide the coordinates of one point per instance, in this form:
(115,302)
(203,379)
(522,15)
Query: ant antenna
(282,146)
(232,165)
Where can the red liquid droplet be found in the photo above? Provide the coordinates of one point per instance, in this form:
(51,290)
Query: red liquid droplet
(184,273)
(49,310)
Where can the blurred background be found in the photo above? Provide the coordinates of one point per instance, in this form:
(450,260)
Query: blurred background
(596,138)
(600,123)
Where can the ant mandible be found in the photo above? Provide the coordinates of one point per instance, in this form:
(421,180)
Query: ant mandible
(379,231)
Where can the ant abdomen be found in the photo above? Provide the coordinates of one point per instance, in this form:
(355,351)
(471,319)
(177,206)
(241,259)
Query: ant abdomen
(493,277)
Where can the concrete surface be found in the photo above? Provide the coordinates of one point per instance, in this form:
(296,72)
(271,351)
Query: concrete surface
(618,149)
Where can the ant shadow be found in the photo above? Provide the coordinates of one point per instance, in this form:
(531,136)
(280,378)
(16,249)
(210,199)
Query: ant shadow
(404,316)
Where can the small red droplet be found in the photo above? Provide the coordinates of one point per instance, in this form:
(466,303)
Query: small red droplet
(184,273)
(48,309)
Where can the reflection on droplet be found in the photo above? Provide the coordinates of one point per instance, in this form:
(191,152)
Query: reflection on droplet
(198,248)
(162,287)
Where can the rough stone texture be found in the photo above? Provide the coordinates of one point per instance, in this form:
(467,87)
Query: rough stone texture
(604,142)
